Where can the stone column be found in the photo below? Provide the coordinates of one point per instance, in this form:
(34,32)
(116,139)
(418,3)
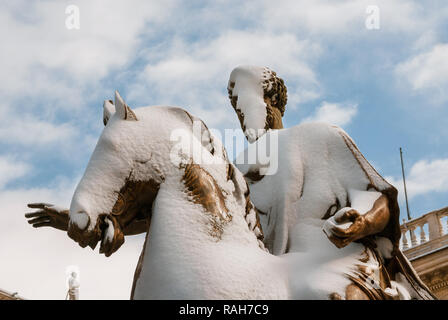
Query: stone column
(404,241)
(434,226)
(422,234)
(413,238)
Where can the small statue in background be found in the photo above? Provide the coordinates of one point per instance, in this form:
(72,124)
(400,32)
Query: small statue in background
(73,286)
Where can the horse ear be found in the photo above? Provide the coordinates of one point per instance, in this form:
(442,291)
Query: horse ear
(122,109)
(108,110)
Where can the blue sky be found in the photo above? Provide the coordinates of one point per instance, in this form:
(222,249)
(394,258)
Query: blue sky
(386,87)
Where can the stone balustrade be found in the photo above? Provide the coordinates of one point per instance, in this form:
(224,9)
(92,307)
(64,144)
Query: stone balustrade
(424,234)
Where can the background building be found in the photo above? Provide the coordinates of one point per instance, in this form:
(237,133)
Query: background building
(424,241)
(5,295)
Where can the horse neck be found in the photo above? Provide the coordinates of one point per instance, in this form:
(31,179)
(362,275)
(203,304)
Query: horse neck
(189,251)
(191,209)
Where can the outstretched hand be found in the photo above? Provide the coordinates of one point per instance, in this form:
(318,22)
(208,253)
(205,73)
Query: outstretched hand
(48,215)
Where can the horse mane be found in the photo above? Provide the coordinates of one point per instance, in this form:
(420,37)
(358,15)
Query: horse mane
(251,215)
(203,189)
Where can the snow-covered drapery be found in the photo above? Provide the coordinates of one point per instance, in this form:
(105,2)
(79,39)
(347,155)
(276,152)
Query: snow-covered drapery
(318,174)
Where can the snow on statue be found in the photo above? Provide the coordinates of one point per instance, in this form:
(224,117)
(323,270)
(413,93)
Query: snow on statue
(326,209)
(204,237)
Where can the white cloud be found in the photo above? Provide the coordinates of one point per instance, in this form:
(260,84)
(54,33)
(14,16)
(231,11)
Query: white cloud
(196,74)
(34,260)
(425,176)
(33,132)
(329,18)
(334,113)
(39,137)
(426,40)
(52,72)
(39,52)
(427,71)
(11,169)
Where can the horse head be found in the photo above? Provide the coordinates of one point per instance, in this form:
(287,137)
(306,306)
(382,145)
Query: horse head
(122,177)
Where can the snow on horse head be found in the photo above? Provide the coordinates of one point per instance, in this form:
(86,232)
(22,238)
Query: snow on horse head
(204,239)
